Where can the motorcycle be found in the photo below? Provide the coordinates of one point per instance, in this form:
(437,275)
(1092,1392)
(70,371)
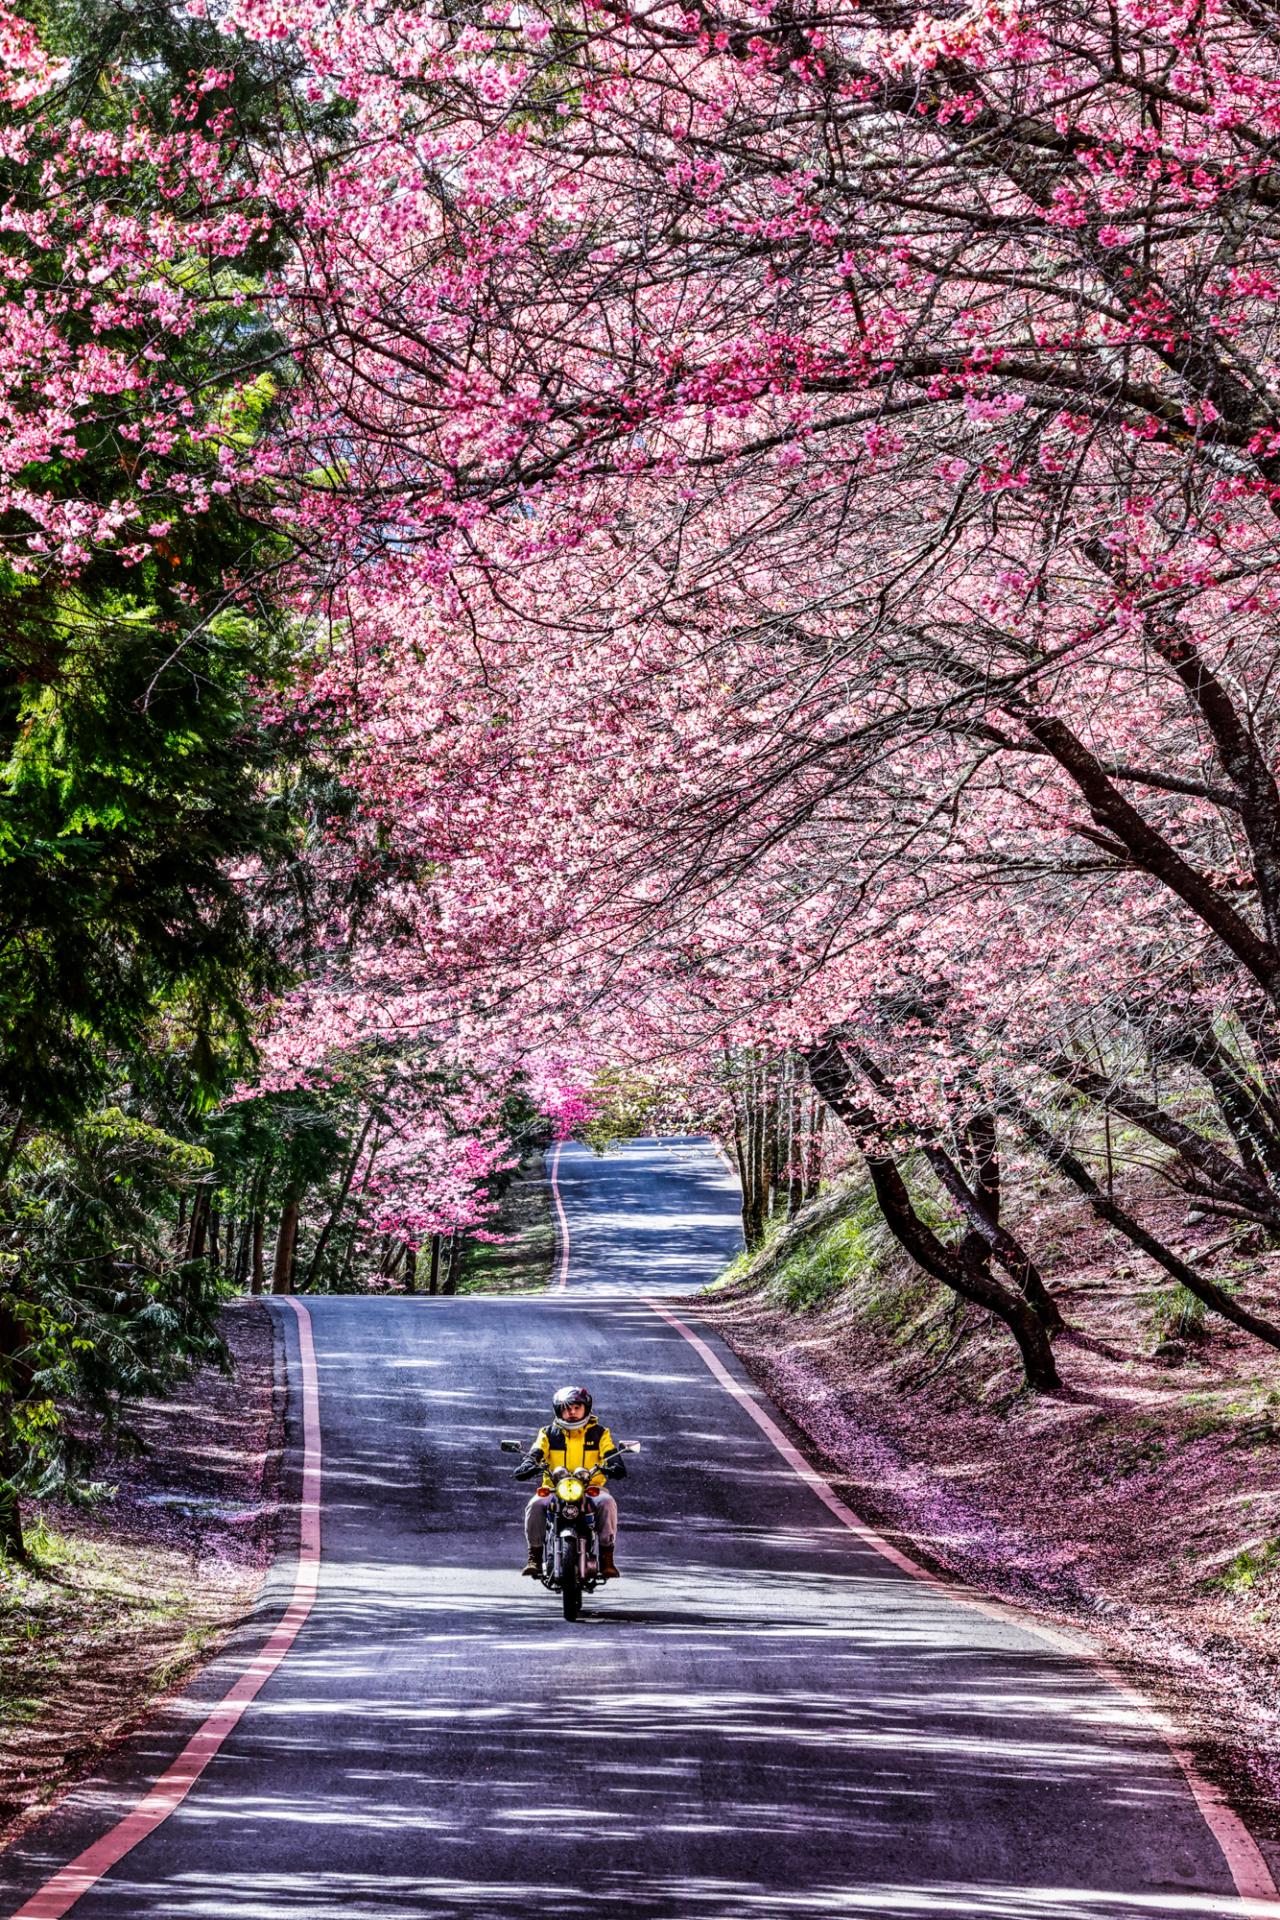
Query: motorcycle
(570,1548)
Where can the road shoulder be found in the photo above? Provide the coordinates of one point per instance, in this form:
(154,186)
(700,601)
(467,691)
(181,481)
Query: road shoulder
(131,1601)
(903,1475)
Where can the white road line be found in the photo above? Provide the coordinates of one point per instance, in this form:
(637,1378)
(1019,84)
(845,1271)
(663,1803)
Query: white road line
(562,1266)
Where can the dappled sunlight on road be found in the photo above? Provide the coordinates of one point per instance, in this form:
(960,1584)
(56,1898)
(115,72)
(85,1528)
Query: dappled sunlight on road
(673,1897)
(764,1717)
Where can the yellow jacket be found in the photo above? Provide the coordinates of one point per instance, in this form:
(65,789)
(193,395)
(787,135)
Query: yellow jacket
(580,1451)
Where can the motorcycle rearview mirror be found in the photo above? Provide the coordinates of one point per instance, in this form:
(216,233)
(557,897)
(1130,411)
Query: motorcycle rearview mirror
(628,1446)
(509,1446)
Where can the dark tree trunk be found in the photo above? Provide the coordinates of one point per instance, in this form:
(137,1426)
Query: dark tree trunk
(1212,1174)
(1242,1106)
(813,1147)
(335,1212)
(1059,1155)
(286,1242)
(199,1228)
(796,1144)
(979,1210)
(16,1369)
(956,1268)
(259,1274)
(241,1272)
(433,1284)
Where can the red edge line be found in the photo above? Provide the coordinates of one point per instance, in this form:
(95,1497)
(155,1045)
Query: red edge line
(58,1895)
(562,1265)
(1245,1863)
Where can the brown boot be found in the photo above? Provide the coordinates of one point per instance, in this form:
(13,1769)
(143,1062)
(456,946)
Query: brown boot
(608,1571)
(532,1566)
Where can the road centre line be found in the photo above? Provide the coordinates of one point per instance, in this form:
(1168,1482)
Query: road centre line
(60,1893)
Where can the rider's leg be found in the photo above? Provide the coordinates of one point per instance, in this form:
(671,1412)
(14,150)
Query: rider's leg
(535,1532)
(607,1532)
(606,1518)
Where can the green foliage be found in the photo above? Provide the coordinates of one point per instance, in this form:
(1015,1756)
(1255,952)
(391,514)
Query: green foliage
(147,49)
(523,1259)
(97,1306)
(136,770)
(624,1105)
(1179,1314)
(134,775)
(1242,1573)
(140,782)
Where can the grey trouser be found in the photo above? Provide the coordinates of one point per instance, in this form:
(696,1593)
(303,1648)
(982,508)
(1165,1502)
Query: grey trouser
(535,1521)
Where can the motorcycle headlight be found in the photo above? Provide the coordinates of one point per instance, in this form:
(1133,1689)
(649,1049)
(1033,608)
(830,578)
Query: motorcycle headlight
(570,1491)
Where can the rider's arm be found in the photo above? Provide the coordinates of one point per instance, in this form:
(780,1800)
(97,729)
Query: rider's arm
(542,1449)
(607,1446)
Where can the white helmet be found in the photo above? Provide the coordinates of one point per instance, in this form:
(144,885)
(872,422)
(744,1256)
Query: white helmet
(569,1397)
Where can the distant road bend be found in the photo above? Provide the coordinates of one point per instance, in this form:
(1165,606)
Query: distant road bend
(765,1717)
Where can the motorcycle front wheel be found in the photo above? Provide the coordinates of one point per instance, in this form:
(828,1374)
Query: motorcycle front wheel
(571,1589)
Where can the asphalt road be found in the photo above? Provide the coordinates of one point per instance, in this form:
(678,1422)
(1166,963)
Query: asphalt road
(763,1717)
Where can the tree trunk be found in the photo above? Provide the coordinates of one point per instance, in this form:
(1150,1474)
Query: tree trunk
(450,1281)
(18,1373)
(1243,1107)
(230,1249)
(1212,1173)
(760,1091)
(259,1275)
(433,1284)
(347,1263)
(335,1211)
(956,1268)
(771,1094)
(813,1147)
(241,1270)
(980,1210)
(1059,1155)
(199,1223)
(795,1105)
(286,1241)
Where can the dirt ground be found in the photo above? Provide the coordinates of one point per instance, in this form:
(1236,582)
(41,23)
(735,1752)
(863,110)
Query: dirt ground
(127,1596)
(1142,1503)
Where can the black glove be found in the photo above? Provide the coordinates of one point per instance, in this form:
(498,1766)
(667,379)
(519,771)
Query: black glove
(615,1466)
(527,1468)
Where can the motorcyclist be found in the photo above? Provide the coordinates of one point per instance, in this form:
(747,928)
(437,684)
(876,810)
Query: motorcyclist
(578,1442)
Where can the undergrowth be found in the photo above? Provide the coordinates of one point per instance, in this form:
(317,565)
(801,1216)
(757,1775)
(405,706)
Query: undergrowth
(523,1260)
(1242,1573)
(854,1253)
